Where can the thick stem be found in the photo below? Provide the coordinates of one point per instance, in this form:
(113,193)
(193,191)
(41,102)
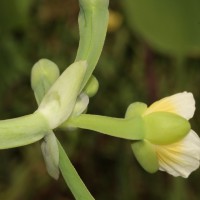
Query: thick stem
(131,128)
(93,21)
(22,130)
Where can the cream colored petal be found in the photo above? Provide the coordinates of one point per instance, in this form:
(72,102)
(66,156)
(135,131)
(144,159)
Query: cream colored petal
(181,103)
(181,158)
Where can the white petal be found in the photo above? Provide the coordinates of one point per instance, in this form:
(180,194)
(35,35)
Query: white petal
(181,158)
(181,103)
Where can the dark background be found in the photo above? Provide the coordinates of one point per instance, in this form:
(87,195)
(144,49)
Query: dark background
(152,50)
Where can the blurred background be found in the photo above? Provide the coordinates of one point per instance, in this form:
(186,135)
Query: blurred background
(152,50)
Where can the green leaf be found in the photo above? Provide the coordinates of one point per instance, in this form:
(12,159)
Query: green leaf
(72,178)
(169,26)
(14,14)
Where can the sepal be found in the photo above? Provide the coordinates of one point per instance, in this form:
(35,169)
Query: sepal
(145,155)
(43,74)
(81,105)
(165,128)
(50,153)
(135,109)
(91,87)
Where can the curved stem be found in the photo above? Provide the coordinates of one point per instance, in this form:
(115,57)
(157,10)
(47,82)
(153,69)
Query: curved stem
(93,21)
(131,128)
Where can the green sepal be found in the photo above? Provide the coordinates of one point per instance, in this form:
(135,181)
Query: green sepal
(91,87)
(165,128)
(81,105)
(43,74)
(134,109)
(145,155)
(50,151)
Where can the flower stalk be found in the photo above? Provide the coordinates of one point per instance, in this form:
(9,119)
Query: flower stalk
(131,128)
(93,22)
(22,130)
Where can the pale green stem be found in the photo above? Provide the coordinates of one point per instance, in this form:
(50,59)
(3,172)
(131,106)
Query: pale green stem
(71,177)
(22,130)
(131,128)
(93,21)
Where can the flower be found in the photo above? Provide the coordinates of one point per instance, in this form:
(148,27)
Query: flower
(178,158)
(59,102)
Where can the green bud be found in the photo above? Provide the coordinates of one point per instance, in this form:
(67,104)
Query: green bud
(44,73)
(146,155)
(165,128)
(135,109)
(59,102)
(91,87)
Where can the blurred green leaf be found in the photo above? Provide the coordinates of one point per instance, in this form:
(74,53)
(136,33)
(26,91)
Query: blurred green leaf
(172,27)
(14,14)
